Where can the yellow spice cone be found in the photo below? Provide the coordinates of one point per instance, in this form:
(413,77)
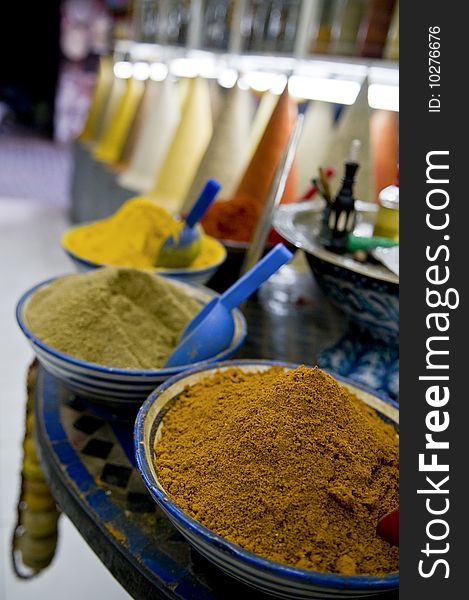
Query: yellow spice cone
(186,149)
(263,113)
(115,96)
(227,151)
(154,137)
(99,99)
(354,123)
(138,123)
(317,130)
(110,146)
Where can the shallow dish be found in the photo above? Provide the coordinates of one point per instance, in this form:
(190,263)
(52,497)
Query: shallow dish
(367,293)
(263,574)
(200,275)
(111,385)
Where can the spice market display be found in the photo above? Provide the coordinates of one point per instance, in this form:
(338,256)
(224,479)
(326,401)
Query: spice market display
(273,480)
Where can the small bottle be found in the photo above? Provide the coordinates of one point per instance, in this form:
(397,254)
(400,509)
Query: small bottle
(339,216)
(387,221)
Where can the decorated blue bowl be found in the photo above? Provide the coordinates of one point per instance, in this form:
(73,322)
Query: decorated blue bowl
(367,293)
(119,388)
(260,573)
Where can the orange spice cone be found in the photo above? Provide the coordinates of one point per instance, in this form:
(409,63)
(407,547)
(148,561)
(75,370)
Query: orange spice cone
(236,219)
(384,143)
(260,172)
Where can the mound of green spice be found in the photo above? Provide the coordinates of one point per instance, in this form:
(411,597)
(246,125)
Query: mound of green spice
(117,317)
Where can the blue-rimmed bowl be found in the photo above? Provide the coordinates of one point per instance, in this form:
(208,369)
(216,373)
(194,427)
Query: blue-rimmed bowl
(200,275)
(114,387)
(367,293)
(263,574)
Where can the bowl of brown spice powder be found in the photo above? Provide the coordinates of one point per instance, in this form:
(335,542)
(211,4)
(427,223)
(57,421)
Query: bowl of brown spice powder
(277,474)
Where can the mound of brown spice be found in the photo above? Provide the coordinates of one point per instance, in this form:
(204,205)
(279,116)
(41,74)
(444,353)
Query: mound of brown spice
(288,465)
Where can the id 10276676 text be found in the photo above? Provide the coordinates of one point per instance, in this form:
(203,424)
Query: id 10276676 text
(434,69)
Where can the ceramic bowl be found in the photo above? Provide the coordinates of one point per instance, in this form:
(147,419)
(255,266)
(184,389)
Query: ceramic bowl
(263,574)
(200,275)
(112,386)
(367,293)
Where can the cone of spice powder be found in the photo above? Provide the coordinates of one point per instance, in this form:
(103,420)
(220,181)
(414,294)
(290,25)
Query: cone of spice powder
(384,144)
(236,219)
(155,136)
(110,146)
(317,130)
(138,123)
(118,87)
(264,111)
(354,123)
(186,149)
(226,153)
(216,98)
(101,92)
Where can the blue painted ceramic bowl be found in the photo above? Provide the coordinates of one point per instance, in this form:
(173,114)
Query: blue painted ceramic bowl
(113,386)
(263,574)
(189,275)
(367,293)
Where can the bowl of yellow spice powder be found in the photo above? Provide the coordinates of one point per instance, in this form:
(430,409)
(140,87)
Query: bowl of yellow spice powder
(107,334)
(133,237)
(277,474)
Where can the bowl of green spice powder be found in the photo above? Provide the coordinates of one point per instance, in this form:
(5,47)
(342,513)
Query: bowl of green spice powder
(278,474)
(107,334)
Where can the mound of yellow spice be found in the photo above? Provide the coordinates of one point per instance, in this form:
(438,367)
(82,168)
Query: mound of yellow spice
(288,465)
(133,237)
(112,316)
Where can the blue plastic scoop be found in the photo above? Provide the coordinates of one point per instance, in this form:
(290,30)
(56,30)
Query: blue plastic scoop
(180,252)
(212,329)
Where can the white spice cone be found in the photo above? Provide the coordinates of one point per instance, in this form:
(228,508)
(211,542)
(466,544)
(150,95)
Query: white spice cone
(182,88)
(228,148)
(354,123)
(154,137)
(186,149)
(317,130)
(263,113)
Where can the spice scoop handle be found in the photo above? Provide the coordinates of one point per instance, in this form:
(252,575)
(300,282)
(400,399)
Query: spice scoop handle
(201,205)
(388,527)
(250,281)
